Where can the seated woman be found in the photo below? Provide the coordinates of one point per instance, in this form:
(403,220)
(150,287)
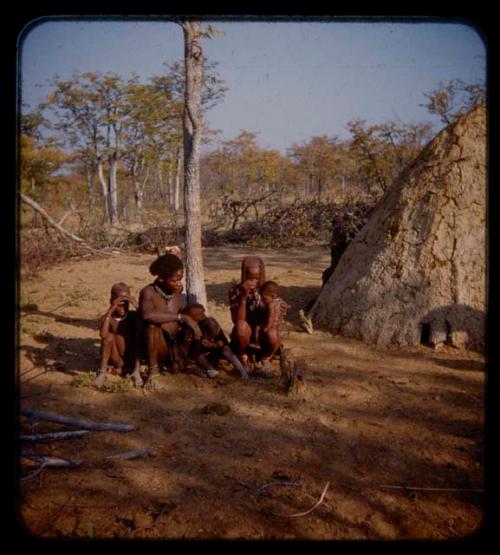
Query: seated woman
(247,311)
(159,305)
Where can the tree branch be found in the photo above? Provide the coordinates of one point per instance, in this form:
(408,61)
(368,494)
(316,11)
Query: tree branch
(86,424)
(28,200)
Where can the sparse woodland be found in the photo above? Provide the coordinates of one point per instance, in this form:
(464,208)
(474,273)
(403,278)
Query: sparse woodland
(366,435)
(103,156)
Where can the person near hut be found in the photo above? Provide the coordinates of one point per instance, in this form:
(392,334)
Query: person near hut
(246,313)
(269,329)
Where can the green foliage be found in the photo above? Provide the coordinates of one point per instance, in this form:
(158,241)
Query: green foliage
(111,385)
(383,151)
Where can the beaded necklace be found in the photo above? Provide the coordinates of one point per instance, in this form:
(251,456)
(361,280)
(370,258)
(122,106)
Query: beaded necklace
(162,293)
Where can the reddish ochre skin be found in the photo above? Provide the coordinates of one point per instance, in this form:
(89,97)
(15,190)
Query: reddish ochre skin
(253,332)
(120,331)
(161,315)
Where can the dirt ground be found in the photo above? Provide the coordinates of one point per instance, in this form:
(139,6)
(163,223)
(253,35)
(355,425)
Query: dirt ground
(396,433)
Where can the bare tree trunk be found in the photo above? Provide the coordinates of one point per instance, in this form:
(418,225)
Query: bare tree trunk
(104,188)
(113,196)
(36,218)
(159,182)
(170,188)
(177,179)
(90,186)
(192,127)
(139,194)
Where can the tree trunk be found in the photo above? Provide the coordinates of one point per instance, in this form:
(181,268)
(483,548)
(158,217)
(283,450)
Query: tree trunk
(36,218)
(159,183)
(90,186)
(192,128)
(177,179)
(170,187)
(138,195)
(104,188)
(113,196)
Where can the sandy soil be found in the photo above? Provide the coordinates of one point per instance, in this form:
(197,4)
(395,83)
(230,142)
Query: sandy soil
(366,419)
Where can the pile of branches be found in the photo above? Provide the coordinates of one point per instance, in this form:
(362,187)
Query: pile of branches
(299,224)
(155,238)
(39,248)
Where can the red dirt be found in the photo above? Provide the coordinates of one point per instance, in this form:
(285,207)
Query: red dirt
(365,419)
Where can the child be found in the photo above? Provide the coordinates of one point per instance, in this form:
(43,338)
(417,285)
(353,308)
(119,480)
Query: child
(120,331)
(244,301)
(212,345)
(268,332)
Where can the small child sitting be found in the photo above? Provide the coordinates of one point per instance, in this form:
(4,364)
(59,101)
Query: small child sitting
(268,331)
(212,345)
(120,332)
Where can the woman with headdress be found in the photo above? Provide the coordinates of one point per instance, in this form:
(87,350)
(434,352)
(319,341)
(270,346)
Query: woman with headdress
(159,305)
(247,312)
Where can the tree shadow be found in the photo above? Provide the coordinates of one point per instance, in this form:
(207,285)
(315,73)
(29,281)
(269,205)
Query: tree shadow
(78,322)
(74,353)
(201,460)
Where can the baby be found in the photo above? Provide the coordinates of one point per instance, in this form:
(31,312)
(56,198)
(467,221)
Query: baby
(268,332)
(212,345)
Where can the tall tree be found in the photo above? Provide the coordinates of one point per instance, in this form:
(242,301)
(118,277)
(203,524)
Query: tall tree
(452,100)
(89,112)
(192,128)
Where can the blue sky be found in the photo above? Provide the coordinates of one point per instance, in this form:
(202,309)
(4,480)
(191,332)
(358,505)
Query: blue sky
(287,81)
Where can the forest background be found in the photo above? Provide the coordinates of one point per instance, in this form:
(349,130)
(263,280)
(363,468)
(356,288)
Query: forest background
(102,156)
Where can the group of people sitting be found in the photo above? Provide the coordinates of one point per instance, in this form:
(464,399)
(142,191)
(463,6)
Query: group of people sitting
(167,334)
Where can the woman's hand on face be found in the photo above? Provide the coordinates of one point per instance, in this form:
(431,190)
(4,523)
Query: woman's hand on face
(248,285)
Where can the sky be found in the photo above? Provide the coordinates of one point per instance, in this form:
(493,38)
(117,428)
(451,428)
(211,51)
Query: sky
(287,81)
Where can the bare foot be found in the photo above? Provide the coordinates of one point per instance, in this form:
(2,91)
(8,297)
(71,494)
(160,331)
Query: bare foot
(100,379)
(151,383)
(138,381)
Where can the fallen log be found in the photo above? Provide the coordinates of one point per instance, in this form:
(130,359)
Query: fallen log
(53,436)
(28,200)
(85,424)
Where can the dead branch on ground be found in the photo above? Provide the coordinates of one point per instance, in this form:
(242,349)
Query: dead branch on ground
(414,488)
(28,200)
(53,436)
(314,507)
(86,424)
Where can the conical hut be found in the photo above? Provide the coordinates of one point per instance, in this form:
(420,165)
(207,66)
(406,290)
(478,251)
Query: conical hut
(416,272)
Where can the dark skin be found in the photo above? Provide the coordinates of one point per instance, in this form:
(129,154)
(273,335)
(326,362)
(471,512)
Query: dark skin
(267,339)
(120,338)
(268,332)
(242,332)
(161,315)
(210,330)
